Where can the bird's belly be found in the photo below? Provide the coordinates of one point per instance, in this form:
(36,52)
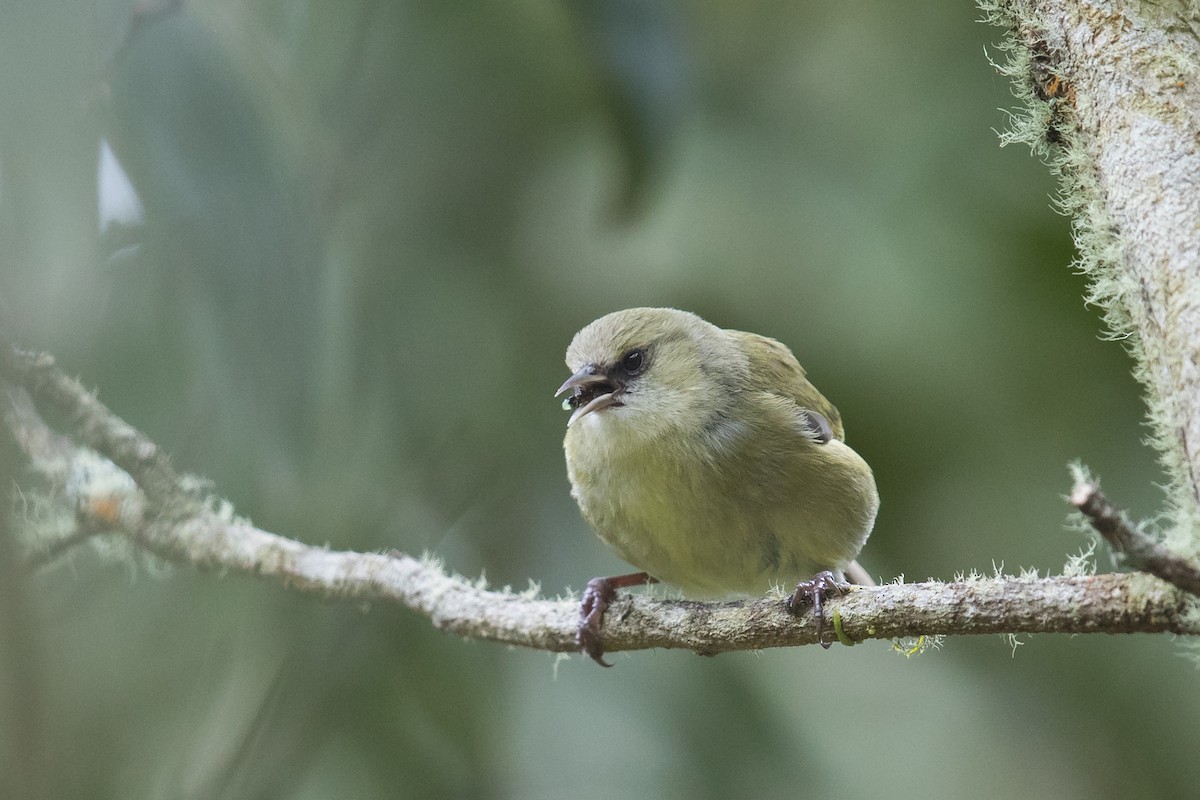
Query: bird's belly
(720,520)
(686,535)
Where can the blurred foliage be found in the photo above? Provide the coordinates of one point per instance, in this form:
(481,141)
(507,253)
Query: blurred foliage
(371,228)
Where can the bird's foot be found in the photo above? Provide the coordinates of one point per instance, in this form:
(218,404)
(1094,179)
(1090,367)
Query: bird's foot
(597,596)
(813,593)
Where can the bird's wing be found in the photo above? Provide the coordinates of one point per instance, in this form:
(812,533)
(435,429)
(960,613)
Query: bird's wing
(775,370)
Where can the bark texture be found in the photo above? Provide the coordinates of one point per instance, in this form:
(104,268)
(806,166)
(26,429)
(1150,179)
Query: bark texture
(1113,97)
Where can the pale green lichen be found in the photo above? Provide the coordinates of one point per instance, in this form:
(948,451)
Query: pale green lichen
(1027,574)
(1083,563)
(910,646)
(1045,121)
(557,661)
(840,631)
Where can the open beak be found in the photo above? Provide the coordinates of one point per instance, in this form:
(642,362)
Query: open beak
(591,391)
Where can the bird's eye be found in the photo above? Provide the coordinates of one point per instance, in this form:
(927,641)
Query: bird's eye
(633,362)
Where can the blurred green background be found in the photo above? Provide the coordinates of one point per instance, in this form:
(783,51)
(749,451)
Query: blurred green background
(370,230)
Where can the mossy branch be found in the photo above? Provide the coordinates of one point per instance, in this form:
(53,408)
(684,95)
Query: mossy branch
(1111,95)
(146,501)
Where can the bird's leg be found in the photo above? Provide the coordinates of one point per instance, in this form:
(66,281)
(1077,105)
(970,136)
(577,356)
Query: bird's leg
(813,592)
(596,597)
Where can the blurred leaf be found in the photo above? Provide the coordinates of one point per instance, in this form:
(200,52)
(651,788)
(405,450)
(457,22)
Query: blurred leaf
(642,67)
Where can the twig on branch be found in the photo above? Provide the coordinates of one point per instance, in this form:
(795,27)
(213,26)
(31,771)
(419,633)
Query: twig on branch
(1136,548)
(48,552)
(178,524)
(92,424)
(102,498)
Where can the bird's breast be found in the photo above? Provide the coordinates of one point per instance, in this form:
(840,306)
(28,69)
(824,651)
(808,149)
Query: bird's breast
(664,509)
(722,511)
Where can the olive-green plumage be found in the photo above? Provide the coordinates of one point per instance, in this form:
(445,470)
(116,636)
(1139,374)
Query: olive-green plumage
(706,458)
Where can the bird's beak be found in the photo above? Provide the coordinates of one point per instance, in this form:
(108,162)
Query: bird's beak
(590,375)
(593,390)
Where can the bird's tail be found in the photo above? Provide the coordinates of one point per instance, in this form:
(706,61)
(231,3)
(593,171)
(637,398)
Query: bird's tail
(859,576)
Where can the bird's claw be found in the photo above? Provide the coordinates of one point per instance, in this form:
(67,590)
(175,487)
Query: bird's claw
(596,597)
(813,593)
(600,592)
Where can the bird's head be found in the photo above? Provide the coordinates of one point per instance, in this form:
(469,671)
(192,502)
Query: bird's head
(652,367)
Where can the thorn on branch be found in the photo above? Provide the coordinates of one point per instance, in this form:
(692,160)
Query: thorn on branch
(1132,545)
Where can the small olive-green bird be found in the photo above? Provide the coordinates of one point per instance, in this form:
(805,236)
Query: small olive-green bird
(705,458)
